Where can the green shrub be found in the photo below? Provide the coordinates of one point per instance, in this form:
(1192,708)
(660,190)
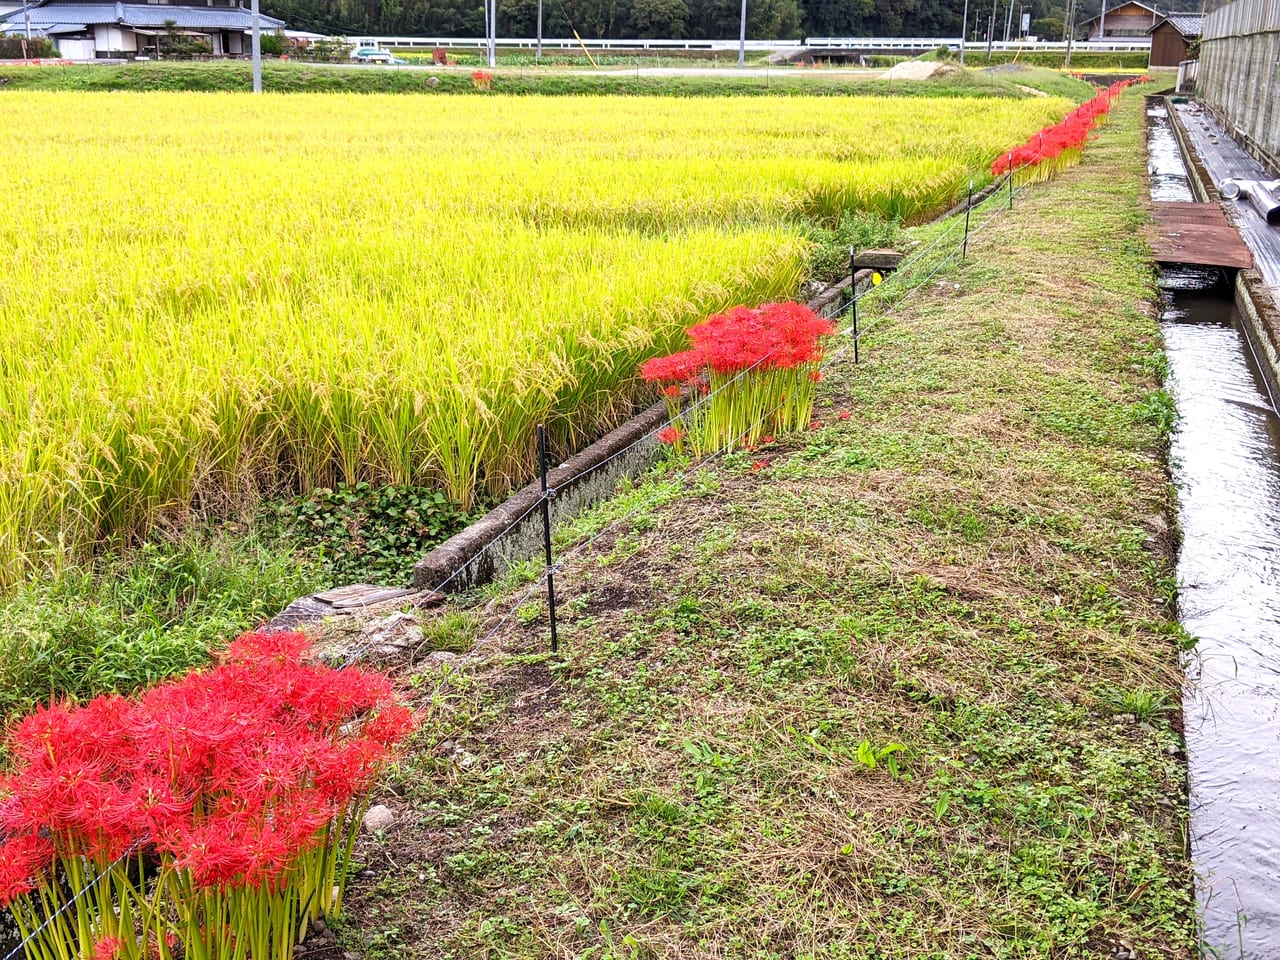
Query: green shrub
(271,44)
(17,47)
(830,257)
(370,533)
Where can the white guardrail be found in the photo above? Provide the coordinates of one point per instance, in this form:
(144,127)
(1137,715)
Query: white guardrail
(904,44)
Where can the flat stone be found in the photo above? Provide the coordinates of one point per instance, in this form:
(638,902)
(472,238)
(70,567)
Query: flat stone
(878,259)
(360,595)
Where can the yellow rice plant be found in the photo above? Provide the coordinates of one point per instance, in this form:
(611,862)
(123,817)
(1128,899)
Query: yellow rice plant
(203,296)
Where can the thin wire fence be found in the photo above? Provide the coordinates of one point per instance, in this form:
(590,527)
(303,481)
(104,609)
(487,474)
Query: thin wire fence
(878,293)
(83,892)
(849,344)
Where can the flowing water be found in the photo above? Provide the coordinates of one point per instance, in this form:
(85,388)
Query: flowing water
(1227,473)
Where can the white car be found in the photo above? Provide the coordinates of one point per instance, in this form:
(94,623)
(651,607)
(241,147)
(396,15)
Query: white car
(371,55)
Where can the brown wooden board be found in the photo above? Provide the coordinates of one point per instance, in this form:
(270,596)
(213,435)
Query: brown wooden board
(1198,233)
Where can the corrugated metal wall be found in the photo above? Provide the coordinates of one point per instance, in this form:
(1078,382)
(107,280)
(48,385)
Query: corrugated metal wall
(1240,71)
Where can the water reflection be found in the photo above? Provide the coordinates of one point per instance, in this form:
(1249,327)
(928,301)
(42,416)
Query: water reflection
(1228,480)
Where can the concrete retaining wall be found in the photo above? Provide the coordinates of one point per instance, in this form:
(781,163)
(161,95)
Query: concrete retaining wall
(1239,73)
(1253,298)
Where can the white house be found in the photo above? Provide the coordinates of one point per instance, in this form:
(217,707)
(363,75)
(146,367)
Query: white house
(85,31)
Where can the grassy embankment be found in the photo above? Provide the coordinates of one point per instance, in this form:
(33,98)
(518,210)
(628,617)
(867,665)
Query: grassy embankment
(296,77)
(973,566)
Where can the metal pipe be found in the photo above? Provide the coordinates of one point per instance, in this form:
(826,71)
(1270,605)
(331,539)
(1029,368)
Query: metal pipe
(255,46)
(1265,198)
(1262,195)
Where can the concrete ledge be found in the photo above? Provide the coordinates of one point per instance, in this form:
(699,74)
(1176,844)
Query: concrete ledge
(1256,301)
(512,531)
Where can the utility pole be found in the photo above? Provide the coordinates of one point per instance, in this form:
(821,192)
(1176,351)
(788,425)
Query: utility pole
(492,40)
(991,29)
(256,47)
(964,28)
(742,38)
(1070,30)
(1102,22)
(1008,22)
(539,56)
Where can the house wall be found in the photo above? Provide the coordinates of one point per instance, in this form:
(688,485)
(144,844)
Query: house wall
(77,49)
(1126,20)
(1239,73)
(108,39)
(1168,46)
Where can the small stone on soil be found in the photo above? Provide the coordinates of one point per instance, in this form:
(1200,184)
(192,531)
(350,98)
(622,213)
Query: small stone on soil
(377,818)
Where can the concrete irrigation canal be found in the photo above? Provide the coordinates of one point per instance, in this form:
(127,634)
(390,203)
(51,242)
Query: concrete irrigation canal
(1227,472)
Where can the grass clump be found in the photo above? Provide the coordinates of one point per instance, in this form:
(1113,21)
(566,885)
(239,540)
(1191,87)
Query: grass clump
(829,259)
(130,621)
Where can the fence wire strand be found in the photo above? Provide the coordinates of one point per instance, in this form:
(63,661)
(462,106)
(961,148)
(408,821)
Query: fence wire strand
(613,525)
(558,565)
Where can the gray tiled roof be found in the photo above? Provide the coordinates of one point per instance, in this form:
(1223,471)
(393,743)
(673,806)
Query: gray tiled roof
(1187,24)
(145,15)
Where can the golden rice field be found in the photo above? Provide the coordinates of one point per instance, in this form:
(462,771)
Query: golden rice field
(207,295)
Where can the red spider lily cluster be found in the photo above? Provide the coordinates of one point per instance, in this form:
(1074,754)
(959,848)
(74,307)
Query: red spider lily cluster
(482,80)
(758,367)
(211,817)
(1055,148)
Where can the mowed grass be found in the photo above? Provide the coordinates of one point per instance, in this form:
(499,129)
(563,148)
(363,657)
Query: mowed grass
(204,298)
(903,687)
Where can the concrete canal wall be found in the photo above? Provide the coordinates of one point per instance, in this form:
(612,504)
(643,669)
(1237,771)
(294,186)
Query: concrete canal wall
(1239,74)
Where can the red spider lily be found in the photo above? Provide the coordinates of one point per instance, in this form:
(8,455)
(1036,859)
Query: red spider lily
(676,367)
(670,435)
(756,365)
(240,781)
(759,465)
(844,414)
(815,424)
(22,860)
(1058,146)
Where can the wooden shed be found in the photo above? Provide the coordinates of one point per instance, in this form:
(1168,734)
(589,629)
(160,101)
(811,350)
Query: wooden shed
(1172,37)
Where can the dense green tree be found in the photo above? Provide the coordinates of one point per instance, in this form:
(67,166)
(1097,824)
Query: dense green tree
(660,18)
(676,19)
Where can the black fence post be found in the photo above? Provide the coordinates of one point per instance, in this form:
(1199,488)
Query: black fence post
(546,536)
(964,250)
(853,293)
